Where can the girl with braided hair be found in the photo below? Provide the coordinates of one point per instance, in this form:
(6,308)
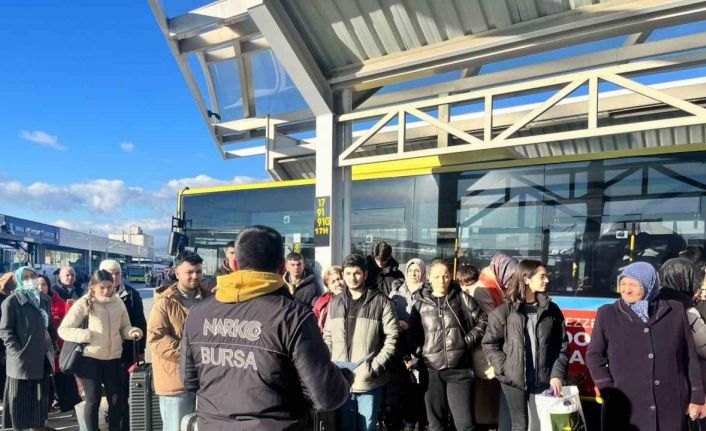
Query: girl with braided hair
(108,325)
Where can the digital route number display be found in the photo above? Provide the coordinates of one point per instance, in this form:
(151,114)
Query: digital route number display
(322,223)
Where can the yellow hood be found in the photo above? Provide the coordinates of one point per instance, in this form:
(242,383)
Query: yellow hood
(245,285)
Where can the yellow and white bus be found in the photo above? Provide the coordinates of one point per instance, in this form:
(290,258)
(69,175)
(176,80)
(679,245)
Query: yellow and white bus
(585,216)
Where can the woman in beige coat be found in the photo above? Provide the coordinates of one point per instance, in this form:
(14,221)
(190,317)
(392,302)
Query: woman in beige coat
(108,325)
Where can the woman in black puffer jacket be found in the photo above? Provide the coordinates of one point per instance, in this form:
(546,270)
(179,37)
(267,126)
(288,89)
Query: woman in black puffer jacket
(447,323)
(526,343)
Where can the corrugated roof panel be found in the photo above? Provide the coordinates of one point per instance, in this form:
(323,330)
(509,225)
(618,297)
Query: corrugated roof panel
(448,18)
(380,19)
(403,23)
(497,13)
(651,139)
(696,134)
(471,15)
(549,7)
(312,35)
(527,9)
(427,22)
(349,32)
(580,3)
(333,17)
(359,29)
(681,135)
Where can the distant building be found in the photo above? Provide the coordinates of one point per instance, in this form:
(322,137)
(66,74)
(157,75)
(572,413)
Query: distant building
(49,247)
(136,236)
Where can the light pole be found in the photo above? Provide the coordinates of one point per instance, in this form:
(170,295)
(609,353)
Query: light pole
(90,253)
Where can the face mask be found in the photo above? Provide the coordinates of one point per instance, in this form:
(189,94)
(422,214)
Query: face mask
(30,284)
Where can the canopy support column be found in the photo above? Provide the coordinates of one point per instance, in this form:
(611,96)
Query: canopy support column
(332,232)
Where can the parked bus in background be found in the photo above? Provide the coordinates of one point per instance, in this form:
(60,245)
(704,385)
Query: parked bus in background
(136,272)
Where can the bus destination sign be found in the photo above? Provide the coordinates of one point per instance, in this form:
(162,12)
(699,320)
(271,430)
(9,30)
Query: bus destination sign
(322,224)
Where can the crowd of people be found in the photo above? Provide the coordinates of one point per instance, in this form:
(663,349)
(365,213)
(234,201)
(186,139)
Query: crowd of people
(37,318)
(265,347)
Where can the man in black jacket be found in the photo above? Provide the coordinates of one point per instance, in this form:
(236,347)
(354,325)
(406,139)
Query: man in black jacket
(255,357)
(68,288)
(135,310)
(383,269)
(301,282)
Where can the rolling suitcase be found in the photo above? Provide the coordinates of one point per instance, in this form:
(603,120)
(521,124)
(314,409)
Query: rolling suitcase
(144,403)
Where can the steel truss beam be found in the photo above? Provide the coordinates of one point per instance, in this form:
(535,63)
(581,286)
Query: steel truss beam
(604,58)
(565,85)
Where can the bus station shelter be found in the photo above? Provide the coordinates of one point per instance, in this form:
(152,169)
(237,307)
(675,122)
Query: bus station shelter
(582,101)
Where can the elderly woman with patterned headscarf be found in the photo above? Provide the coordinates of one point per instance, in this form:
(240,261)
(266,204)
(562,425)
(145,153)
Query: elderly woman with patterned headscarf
(26,330)
(642,357)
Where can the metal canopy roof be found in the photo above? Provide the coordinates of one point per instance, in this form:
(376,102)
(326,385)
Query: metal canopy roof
(243,57)
(344,34)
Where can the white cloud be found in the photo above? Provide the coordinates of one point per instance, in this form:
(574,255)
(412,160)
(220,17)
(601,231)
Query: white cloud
(127,146)
(103,197)
(172,187)
(44,139)
(101,205)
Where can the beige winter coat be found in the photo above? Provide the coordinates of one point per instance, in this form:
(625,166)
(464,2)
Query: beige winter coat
(164,331)
(108,325)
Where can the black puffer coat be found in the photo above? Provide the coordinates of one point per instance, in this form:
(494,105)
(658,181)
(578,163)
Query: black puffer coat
(504,343)
(447,328)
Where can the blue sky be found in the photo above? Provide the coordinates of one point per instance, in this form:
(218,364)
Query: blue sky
(98,128)
(90,91)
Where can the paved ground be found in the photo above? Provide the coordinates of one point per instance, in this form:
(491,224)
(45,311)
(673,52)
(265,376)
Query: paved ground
(67,421)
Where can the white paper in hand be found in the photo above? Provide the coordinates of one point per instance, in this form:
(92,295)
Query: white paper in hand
(353,365)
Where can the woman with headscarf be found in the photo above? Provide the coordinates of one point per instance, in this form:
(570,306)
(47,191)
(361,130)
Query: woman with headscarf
(489,290)
(680,280)
(25,328)
(7,286)
(489,402)
(405,395)
(642,357)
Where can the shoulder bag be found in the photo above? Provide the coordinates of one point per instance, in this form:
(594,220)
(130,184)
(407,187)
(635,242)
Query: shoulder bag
(71,355)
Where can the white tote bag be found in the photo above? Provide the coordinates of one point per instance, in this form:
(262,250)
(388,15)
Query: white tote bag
(562,413)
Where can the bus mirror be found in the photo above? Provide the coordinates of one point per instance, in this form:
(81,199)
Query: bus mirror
(177,242)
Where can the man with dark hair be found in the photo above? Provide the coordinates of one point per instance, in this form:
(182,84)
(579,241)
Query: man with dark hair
(230,263)
(383,269)
(302,283)
(362,325)
(164,333)
(254,356)
(466,276)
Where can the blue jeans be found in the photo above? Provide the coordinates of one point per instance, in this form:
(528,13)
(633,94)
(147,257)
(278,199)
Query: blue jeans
(360,412)
(174,407)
